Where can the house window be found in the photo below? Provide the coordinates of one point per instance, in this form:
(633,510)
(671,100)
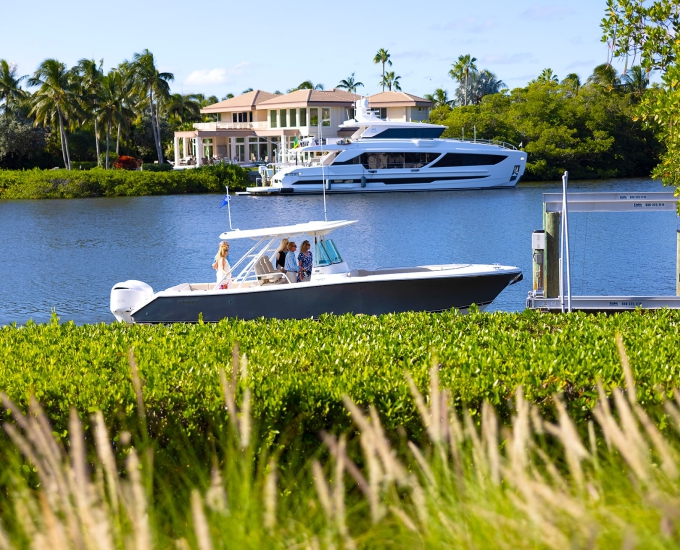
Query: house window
(272,119)
(219,117)
(314,117)
(326,116)
(234,117)
(303,116)
(283,118)
(293,121)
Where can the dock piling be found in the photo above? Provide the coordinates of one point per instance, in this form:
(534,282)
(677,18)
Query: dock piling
(551,257)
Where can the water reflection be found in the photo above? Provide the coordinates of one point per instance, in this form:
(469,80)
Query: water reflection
(68,254)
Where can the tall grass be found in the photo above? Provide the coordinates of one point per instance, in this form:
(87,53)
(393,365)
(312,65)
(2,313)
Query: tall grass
(532,483)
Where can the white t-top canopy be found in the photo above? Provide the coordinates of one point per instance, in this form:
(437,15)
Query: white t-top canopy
(309,228)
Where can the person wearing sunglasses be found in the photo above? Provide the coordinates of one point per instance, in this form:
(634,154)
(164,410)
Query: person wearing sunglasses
(291,261)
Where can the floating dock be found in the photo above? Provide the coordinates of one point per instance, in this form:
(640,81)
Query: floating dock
(551,264)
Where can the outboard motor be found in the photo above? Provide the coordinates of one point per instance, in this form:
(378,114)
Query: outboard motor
(127,296)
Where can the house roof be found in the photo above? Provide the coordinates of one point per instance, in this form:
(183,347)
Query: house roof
(243,102)
(397,99)
(311,98)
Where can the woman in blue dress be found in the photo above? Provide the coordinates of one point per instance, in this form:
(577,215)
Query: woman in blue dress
(306,261)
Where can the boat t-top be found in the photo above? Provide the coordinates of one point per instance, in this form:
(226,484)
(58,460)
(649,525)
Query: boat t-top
(384,155)
(256,289)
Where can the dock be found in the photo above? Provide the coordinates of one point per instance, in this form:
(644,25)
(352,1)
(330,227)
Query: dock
(551,271)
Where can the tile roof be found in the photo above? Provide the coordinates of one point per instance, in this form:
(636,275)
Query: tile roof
(397,99)
(311,97)
(243,102)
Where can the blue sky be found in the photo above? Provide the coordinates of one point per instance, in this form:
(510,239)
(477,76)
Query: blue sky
(228,46)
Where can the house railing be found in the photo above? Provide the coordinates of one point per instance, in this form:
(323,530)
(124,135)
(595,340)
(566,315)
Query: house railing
(214,126)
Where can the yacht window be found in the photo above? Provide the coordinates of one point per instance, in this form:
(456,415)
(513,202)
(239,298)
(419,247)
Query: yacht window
(467,159)
(325,116)
(392,160)
(303,116)
(326,253)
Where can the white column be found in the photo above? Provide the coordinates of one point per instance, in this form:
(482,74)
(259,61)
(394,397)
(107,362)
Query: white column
(199,151)
(232,153)
(185,146)
(176,150)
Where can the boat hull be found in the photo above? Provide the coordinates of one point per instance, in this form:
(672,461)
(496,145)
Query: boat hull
(305,300)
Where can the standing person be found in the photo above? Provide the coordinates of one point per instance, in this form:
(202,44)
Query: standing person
(280,255)
(291,263)
(222,265)
(305,262)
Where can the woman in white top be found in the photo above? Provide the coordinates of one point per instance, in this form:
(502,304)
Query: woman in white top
(222,265)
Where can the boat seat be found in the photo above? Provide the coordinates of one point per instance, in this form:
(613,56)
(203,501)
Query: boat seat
(265,272)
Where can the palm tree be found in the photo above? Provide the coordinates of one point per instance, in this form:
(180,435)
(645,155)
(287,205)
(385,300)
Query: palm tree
(10,85)
(128,99)
(462,68)
(55,101)
(228,96)
(89,78)
(606,76)
(440,98)
(635,81)
(573,80)
(246,91)
(383,57)
(480,84)
(112,108)
(547,75)
(153,83)
(391,81)
(185,107)
(350,84)
(307,85)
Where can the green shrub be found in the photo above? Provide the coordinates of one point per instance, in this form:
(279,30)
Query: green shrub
(56,184)
(83,164)
(151,167)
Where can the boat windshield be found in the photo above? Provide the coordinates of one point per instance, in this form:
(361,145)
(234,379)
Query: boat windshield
(326,253)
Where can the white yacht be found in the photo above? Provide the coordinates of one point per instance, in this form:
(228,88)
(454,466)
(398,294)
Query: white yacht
(384,155)
(258,290)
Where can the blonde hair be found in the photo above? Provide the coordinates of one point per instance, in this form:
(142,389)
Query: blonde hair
(283,246)
(223,250)
(305,243)
(291,243)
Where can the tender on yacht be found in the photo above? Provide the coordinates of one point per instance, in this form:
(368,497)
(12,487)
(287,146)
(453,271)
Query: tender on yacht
(384,155)
(258,290)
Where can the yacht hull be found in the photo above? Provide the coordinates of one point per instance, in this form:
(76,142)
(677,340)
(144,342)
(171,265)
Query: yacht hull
(305,300)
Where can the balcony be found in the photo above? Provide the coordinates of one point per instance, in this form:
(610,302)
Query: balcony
(215,126)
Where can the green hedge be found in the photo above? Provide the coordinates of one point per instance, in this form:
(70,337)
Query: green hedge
(299,370)
(148,166)
(58,184)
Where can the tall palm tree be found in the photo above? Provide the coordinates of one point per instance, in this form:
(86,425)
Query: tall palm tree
(606,76)
(307,85)
(10,85)
(152,83)
(112,108)
(547,75)
(55,101)
(350,84)
(635,81)
(89,75)
(383,56)
(462,68)
(129,99)
(440,98)
(185,107)
(391,81)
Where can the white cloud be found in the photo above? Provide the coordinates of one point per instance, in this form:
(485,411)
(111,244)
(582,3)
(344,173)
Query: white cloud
(544,13)
(208,77)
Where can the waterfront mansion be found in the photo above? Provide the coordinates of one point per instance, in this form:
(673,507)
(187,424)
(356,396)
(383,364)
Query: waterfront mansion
(259,126)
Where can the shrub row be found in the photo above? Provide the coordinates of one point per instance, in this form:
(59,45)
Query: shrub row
(299,370)
(57,184)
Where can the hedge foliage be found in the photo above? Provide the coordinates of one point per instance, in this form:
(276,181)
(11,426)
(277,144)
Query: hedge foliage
(67,184)
(299,370)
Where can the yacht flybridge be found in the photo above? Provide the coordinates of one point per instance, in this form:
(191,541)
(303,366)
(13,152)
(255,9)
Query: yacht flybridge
(384,155)
(256,289)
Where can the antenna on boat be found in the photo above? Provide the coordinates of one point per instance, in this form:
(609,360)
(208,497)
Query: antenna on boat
(323,177)
(227,201)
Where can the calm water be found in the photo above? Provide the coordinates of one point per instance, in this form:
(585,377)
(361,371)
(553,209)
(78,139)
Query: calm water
(67,254)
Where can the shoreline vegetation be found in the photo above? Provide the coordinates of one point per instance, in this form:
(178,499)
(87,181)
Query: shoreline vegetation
(97,182)
(410,430)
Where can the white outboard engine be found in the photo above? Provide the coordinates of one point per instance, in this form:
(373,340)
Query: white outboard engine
(127,296)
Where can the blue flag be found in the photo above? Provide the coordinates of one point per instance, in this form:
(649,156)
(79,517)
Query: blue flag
(225,200)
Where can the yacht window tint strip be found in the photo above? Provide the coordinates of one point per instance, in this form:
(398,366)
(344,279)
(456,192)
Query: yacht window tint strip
(456,160)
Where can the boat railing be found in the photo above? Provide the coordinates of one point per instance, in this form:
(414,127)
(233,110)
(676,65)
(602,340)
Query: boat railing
(498,143)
